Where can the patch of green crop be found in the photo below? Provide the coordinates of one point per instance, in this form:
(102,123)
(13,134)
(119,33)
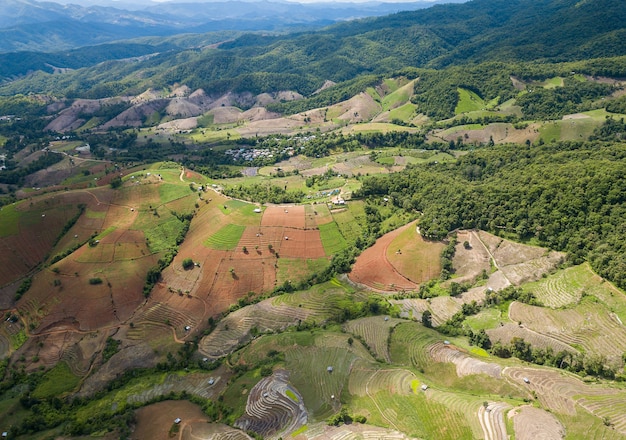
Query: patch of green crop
(56,382)
(226,238)
(9,220)
(332,240)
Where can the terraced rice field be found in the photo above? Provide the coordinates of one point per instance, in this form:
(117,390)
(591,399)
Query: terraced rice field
(368,378)
(310,375)
(375,332)
(564,393)
(588,325)
(415,414)
(235,329)
(468,406)
(566,287)
(465,364)
(409,342)
(441,307)
(520,263)
(193,383)
(273,407)
(532,423)
(507,332)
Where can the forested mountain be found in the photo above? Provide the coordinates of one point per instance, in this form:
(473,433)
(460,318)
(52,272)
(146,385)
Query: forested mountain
(442,35)
(46,26)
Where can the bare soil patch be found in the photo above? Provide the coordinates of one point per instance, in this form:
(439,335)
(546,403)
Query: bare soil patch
(155,421)
(413,257)
(302,244)
(373,269)
(469,262)
(532,423)
(284,215)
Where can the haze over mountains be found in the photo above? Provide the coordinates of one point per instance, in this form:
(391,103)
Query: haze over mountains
(66,26)
(520,30)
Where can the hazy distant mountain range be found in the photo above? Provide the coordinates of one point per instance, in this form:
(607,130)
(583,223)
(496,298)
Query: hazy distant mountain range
(67,26)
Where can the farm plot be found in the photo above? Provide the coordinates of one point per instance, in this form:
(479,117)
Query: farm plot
(465,364)
(375,332)
(373,269)
(298,269)
(237,277)
(90,295)
(236,329)
(348,224)
(367,378)
(505,333)
(273,406)
(320,213)
(408,345)
(287,216)
(413,257)
(332,239)
(28,233)
(531,423)
(519,262)
(155,421)
(470,408)
(567,286)
(441,307)
(588,325)
(353,431)
(299,243)
(226,238)
(469,262)
(310,375)
(197,384)
(562,393)
(213,431)
(322,300)
(415,414)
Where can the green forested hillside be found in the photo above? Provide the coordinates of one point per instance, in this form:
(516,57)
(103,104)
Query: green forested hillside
(479,30)
(566,196)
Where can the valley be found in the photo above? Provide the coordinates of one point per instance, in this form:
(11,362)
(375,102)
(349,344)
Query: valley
(228,242)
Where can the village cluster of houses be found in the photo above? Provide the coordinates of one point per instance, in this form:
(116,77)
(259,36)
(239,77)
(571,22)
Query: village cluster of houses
(248,154)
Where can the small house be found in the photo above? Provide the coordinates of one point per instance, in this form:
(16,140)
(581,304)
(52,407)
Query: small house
(177,420)
(329,369)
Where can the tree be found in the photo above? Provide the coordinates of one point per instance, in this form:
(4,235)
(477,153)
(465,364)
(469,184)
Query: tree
(187,263)
(427,319)
(116,182)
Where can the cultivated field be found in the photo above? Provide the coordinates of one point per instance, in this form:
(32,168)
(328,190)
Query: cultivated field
(589,326)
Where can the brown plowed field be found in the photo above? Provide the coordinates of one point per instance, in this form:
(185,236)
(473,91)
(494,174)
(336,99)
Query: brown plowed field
(288,216)
(373,269)
(302,244)
(155,421)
